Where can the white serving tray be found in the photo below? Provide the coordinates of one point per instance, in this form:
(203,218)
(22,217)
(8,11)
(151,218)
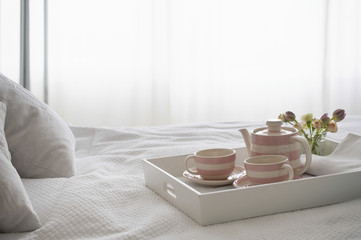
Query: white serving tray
(211,205)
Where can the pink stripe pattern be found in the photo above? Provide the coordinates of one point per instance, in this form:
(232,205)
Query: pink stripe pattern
(213,173)
(294,155)
(267,168)
(214,164)
(264,143)
(269,180)
(215,160)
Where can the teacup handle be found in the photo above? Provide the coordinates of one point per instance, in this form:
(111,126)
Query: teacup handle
(186,162)
(307,150)
(289,169)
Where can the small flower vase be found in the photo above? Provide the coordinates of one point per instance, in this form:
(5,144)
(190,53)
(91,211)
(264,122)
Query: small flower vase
(315,142)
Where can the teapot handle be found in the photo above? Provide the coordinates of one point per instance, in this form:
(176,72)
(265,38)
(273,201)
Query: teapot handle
(307,150)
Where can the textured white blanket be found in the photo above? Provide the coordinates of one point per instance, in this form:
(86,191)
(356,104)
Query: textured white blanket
(109,200)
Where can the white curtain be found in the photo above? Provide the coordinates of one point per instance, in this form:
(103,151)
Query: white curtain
(140,62)
(342,82)
(10,38)
(10,42)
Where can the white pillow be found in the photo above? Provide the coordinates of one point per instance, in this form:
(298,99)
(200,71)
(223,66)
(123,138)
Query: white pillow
(40,142)
(16,211)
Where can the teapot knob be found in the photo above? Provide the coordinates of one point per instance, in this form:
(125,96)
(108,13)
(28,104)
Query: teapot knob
(274,125)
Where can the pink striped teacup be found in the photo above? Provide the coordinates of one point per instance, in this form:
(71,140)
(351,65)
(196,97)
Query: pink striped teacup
(212,164)
(268,169)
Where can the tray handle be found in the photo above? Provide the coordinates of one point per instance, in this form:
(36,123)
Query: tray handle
(169,189)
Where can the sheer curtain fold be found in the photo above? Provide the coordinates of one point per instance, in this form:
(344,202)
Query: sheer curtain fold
(343,51)
(128,63)
(10,38)
(163,62)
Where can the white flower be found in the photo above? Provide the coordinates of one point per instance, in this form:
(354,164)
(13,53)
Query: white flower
(307,117)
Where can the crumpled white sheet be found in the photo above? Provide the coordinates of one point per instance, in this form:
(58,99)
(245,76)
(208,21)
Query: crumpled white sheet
(345,158)
(108,199)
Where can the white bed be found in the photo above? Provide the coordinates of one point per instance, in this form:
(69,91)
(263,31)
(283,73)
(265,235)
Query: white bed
(108,199)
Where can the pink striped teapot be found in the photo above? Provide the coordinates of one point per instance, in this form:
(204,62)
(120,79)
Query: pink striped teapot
(277,140)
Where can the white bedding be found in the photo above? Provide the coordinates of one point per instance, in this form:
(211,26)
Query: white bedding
(108,199)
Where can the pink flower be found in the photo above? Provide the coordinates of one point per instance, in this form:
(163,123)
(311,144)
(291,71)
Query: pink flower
(282,117)
(314,129)
(289,116)
(332,127)
(317,124)
(299,126)
(338,115)
(325,119)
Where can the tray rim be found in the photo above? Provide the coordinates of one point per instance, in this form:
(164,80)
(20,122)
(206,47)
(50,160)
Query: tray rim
(149,161)
(199,210)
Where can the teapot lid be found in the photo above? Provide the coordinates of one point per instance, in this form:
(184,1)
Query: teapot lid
(274,129)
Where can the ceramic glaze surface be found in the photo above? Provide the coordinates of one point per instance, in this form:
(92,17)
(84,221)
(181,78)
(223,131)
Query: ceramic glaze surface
(237,173)
(265,132)
(213,164)
(262,144)
(277,140)
(268,169)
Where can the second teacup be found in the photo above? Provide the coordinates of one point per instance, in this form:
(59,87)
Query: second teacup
(213,164)
(268,169)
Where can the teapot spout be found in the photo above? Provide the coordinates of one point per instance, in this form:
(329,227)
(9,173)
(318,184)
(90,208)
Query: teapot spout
(247,139)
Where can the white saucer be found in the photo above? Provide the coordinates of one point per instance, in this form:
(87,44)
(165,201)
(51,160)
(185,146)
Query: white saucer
(243,182)
(238,172)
